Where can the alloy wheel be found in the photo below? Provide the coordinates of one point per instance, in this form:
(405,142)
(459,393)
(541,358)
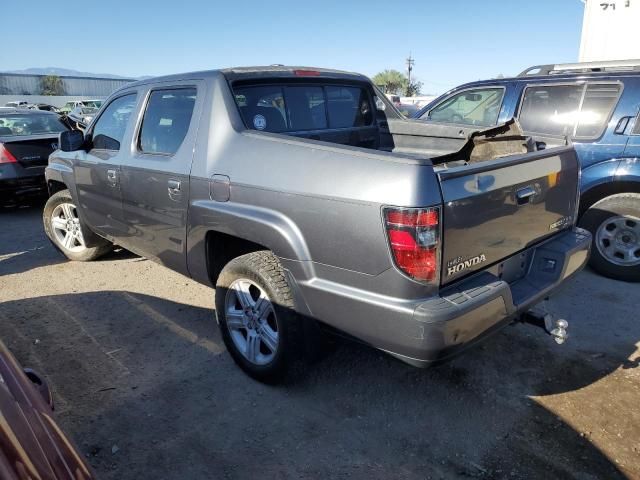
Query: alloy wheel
(65,225)
(251,321)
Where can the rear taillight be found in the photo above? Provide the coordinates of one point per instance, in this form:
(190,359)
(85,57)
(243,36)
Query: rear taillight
(6,156)
(414,238)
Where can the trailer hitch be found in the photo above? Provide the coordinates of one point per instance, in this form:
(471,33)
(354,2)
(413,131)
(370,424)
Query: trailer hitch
(556,328)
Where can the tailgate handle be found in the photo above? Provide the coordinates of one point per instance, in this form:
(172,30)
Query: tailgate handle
(525,194)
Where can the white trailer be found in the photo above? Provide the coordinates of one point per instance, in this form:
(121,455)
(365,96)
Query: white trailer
(610,30)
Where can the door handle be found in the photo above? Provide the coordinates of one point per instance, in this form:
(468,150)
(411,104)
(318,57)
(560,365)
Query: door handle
(112,176)
(174,187)
(622,125)
(524,195)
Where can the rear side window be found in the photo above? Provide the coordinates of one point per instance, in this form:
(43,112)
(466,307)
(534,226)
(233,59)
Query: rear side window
(599,101)
(292,108)
(109,129)
(479,106)
(166,120)
(578,111)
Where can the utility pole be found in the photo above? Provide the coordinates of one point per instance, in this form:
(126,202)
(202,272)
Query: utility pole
(410,62)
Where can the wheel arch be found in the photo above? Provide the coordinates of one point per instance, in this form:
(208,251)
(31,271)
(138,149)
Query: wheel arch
(55,186)
(597,192)
(220,231)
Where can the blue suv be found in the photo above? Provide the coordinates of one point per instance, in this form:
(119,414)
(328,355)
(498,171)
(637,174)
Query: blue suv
(596,107)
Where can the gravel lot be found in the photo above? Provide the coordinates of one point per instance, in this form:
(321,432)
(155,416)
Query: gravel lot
(144,386)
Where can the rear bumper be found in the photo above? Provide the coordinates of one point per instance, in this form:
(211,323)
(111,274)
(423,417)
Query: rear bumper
(435,329)
(18,182)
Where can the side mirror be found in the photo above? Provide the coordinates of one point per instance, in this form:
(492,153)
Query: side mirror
(71,140)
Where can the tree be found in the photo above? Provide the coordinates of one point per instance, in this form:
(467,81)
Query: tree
(391,81)
(396,83)
(51,85)
(414,89)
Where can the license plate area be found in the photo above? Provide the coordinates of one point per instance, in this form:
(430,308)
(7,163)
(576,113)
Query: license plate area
(514,268)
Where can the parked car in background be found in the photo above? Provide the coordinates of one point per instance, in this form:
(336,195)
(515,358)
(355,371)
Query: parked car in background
(595,105)
(95,103)
(408,109)
(45,106)
(395,99)
(70,105)
(27,137)
(82,116)
(18,104)
(32,445)
(308,201)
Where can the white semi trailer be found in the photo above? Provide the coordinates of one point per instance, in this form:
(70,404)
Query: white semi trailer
(610,30)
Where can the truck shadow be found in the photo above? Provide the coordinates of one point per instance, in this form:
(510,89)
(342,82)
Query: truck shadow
(152,377)
(24,247)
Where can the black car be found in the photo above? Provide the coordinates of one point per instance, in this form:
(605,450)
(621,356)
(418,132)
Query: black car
(27,137)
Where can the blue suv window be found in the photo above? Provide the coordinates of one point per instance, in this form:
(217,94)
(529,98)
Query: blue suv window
(574,110)
(480,106)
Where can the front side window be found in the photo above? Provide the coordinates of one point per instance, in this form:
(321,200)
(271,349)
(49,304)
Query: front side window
(577,111)
(109,129)
(294,108)
(479,107)
(32,124)
(166,120)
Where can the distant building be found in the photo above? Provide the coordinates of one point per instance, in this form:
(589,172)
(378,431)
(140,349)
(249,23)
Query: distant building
(609,30)
(25,84)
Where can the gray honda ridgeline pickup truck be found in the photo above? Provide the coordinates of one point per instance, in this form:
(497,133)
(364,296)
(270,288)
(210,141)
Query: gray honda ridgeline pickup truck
(309,202)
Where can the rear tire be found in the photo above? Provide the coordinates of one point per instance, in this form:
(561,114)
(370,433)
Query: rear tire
(257,317)
(62,226)
(614,223)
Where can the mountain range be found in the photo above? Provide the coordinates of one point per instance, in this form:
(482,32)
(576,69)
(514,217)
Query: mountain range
(66,72)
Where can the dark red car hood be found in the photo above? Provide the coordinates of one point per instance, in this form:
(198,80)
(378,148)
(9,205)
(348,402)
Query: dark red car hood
(32,446)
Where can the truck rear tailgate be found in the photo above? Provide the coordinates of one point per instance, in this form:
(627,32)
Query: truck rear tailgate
(494,209)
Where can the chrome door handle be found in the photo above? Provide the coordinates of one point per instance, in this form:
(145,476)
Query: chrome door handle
(524,195)
(112,176)
(174,187)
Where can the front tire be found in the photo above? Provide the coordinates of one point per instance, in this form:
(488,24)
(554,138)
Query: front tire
(257,318)
(62,226)
(614,223)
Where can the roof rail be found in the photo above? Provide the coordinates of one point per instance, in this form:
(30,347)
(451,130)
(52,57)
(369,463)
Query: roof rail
(583,67)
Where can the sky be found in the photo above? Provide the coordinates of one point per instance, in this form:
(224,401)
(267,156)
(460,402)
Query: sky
(452,41)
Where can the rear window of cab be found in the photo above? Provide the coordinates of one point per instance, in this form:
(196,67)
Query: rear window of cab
(294,108)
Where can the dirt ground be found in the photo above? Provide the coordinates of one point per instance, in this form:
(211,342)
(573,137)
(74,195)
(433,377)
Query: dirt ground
(143,384)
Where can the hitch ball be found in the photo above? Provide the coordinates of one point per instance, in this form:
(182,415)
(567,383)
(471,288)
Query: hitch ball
(559,333)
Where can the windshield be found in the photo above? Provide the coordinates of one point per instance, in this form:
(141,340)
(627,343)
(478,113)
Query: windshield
(88,110)
(20,125)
